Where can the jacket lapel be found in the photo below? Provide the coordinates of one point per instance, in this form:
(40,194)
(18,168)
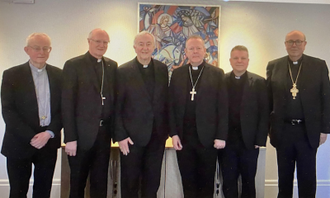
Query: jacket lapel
(283,74)
(90,71)
(157,75)
(303,77)
(53,87)
(139,80)
(28,83)
(109,81)
(203,83)
(246,89)
(184,89)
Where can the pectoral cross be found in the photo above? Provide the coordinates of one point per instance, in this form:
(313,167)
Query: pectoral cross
(294,91)
(193,92)
(103,98)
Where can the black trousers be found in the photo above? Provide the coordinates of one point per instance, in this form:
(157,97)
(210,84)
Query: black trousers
(19,173)
(141,169)
(236,160)
(94,162)
(197,166)
(295,150)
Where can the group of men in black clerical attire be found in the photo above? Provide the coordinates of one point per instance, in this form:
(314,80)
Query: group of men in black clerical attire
(209,115)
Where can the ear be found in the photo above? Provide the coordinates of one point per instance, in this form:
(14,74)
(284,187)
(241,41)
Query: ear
(26,49)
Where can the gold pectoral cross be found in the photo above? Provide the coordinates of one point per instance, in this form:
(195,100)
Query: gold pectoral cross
(294,91)
(193,92)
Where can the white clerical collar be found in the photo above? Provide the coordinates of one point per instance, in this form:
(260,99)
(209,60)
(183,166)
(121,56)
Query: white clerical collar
(295,62)
(36,68)
(145,66)
(237,77)
(195,68)
(99,60)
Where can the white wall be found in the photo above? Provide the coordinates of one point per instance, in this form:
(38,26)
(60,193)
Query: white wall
(259,26)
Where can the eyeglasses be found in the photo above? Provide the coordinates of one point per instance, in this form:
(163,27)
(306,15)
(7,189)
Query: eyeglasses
(297,42)
(38,48)
(99,42)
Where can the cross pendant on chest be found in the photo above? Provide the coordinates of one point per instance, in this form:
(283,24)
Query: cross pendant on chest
(294,91)
(193,92)
(103,98)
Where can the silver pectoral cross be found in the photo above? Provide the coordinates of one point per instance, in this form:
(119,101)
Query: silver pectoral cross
(103,98)
(193,92)
(294,91)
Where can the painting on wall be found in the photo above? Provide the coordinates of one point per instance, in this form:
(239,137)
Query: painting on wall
(173,24)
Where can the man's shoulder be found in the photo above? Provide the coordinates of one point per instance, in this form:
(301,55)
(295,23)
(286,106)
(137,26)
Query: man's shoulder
(214,68)
(308,58)
(17,68)
(278,60)
(182,69)
(254,76)
(54,68)
(157,62)
(76,60)
(110,61)
(127,66)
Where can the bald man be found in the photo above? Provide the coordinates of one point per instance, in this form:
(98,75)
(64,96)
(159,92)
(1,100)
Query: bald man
(88,105)
(300,96)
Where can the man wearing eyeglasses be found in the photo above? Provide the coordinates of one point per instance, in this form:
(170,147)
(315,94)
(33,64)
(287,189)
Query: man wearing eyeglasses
(30,97)
(87,111)
(141,119)
(300,101)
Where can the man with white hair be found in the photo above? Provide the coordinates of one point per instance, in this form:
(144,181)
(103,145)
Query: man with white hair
(141,119)
(30,96)
(87,109)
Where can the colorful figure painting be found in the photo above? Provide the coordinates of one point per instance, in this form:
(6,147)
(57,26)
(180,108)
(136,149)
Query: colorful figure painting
(173,24)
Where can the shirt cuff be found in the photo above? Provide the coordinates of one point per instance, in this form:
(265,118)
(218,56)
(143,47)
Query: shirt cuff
(51,133)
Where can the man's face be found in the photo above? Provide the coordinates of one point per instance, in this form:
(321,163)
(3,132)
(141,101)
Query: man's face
(38,50)
(144,46)
(98,43)
(239,60)
(295,45)
(195,51)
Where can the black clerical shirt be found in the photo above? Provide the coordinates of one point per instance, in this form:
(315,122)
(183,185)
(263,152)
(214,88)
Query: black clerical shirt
(97,66)
(148,76)
(235,89)
(294,108)
(189,121)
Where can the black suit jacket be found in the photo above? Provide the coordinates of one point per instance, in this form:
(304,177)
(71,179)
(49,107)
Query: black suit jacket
(211,104)
(254,111)
(136,113)
(314,90)
(20,110)
(82,103)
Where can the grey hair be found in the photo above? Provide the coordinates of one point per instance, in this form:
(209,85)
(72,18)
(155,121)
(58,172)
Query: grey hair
(31,36)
